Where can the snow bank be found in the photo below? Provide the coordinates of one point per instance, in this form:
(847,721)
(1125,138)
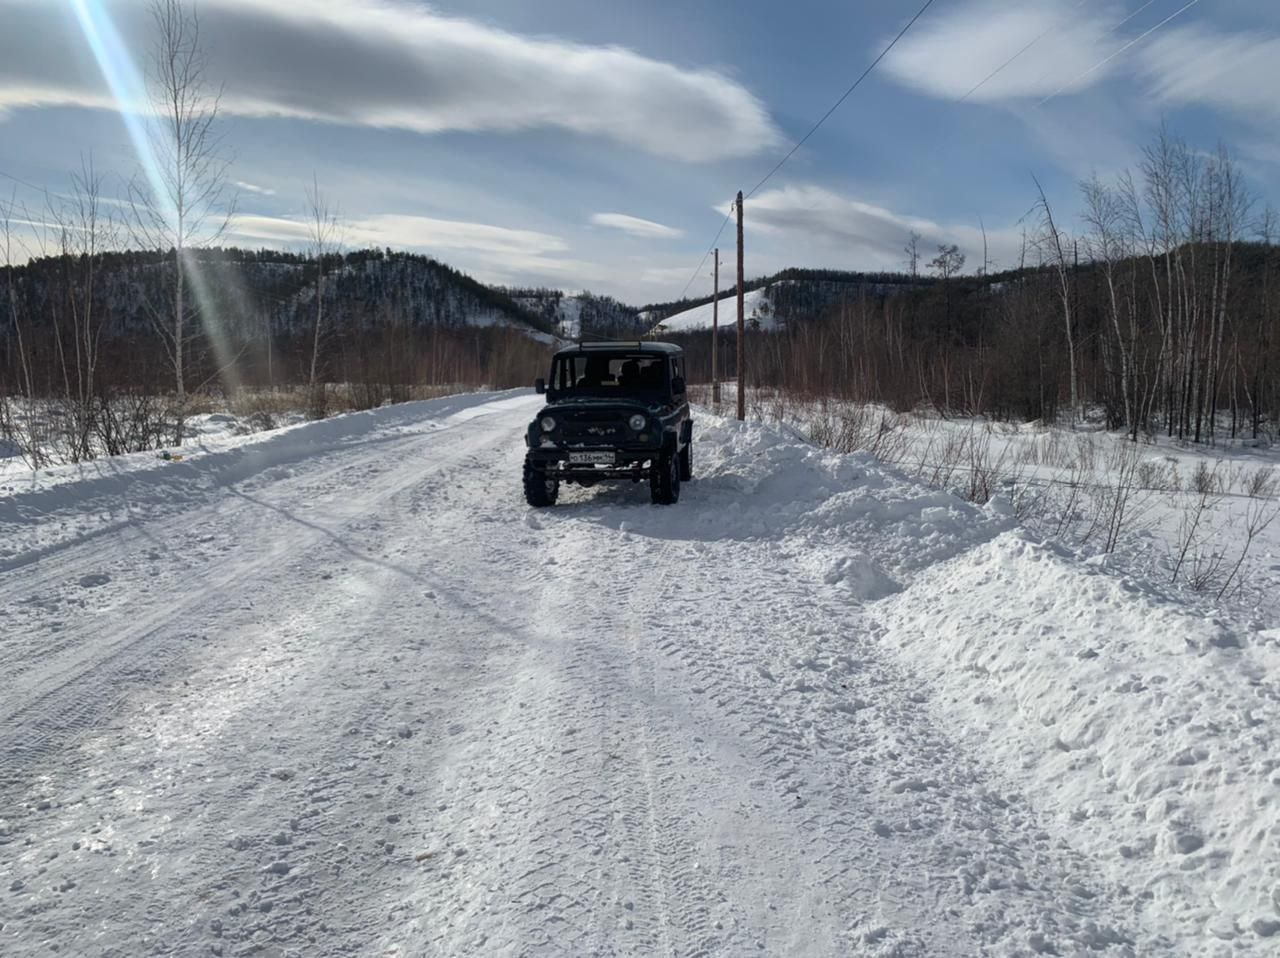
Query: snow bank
(847,519)
(1143,731)
(1147,731)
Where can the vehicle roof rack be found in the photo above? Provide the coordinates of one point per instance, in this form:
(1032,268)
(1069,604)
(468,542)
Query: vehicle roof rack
(640,345)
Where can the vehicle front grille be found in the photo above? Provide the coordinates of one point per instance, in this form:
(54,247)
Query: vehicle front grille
(595,425)
(594,415)
(600,432)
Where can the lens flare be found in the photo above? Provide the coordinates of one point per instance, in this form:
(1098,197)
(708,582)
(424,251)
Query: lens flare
(129,89)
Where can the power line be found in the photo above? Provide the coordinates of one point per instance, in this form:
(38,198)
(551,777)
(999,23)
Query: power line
(22,182)
(1133,16)
(844,96)
(1000,69)
(1131,43)
(723,223)
(801,142)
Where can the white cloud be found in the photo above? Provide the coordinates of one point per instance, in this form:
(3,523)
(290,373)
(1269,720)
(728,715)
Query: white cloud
(254,188)
(492,254)
(817,227)
(1197,65)
(950,54)
(408,232)
(375,63)
(633,225)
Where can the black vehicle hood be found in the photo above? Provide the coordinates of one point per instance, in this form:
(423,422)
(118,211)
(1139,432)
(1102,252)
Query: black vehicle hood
(629,405)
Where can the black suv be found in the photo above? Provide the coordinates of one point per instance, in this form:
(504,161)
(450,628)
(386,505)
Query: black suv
(614,411)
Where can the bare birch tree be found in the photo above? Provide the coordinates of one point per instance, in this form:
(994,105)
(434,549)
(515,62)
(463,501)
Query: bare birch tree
(1053,251)
(323,241)
(185,202)
(1108,245)
(20,425)
(85,230)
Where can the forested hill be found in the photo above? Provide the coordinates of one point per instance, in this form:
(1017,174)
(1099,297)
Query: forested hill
(797,293)
(584,314)
(254,292)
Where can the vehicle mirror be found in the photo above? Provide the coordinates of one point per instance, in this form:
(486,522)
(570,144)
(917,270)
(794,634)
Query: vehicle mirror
(540,386)
(677,384)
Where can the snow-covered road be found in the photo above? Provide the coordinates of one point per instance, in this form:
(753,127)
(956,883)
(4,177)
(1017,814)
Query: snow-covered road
(338,691)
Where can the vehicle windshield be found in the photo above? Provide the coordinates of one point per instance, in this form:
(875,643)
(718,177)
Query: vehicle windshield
(609,374)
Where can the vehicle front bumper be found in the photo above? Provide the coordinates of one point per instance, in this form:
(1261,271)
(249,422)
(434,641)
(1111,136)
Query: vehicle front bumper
(628,461)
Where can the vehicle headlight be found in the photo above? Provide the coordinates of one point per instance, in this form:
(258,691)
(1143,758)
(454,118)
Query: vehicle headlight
(638,422)
(547,424)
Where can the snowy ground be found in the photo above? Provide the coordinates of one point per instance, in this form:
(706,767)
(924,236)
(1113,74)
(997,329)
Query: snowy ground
(335,689)
(1182,517)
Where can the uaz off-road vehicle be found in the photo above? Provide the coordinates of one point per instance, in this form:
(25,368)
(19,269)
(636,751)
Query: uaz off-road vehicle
(614,411)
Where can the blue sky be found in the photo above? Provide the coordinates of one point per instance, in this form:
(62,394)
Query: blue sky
(591,144)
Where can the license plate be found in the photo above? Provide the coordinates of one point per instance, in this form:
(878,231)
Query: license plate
(591,458)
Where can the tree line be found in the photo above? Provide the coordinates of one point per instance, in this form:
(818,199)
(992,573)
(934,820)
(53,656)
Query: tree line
(119,315)
(1161,314)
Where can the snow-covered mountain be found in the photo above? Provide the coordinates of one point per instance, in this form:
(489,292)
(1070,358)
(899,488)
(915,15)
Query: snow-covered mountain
(758,313)
(574,315)
(771,303)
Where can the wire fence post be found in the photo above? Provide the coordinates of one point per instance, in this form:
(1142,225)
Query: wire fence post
(715,334)
(742,383)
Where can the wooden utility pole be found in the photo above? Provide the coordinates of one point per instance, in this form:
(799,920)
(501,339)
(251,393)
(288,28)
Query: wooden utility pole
(715,334)
(742,384)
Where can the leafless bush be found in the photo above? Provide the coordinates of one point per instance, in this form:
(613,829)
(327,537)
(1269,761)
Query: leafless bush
(131,422)
(24,427)
(1189,532)
(1204,569)
(1205,480)
(1158,476)
(1086,451)
(847,427)
(1118,496)
(985,471)
(1261,483)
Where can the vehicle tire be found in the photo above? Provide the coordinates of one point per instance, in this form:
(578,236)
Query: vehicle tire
(686,463)
(664,480)
(539,491)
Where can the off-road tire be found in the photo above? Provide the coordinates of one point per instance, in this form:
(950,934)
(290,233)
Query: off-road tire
(539,491)
(664,480)
(686,463)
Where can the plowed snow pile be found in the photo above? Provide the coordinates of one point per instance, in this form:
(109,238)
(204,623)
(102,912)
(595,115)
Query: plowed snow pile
(1147,730)
(337,690)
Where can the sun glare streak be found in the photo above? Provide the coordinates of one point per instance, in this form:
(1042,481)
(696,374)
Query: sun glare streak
(128,87)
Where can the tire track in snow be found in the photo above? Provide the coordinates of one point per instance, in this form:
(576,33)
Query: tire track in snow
(266,905)
(92,677)
(490,734)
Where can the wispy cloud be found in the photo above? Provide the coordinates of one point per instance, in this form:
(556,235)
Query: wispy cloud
(408,232)
(819,227)
(254,188)
(404,66)
(954,52)
(1078,46)
(1233,71)
(635,226)
(493,254)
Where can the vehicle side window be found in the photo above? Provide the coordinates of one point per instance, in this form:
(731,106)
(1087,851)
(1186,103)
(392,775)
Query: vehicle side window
(568,373)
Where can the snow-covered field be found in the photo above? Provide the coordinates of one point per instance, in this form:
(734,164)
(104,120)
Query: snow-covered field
(335,689)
